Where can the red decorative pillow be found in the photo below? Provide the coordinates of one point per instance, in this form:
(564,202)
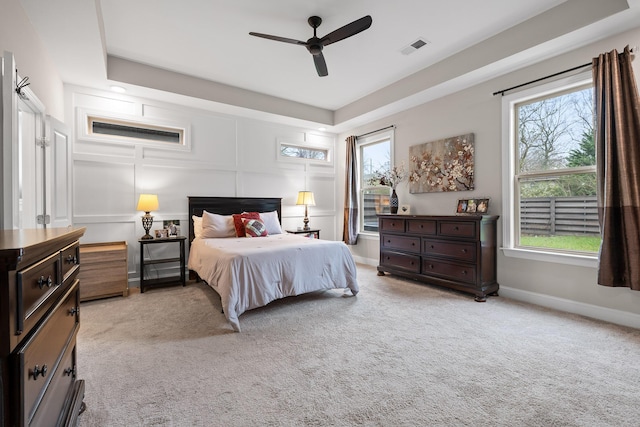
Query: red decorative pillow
(254,228)
(237,221)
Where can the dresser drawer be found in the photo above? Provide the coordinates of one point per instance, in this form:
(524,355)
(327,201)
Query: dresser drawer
(63,378)
(392,224)
(70,260)
(403,261)
(40,355)
(457,229)
(418,226)
(403,243)
(449,270)
(36,286)
(457,250)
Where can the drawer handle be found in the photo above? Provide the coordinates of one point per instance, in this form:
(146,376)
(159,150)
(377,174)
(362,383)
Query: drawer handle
(72,259)
(42,282)
(413,243)
(433,247)
(456,228)
(73,311)
(39,371)
(431,266)
(464,272)
(69,371)
(464,251)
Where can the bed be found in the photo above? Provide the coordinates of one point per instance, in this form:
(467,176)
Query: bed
(249,273)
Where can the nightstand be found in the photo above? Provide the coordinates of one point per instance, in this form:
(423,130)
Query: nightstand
(313,233)
(149,261)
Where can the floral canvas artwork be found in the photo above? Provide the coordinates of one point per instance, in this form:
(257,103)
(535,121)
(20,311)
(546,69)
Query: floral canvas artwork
(444,165)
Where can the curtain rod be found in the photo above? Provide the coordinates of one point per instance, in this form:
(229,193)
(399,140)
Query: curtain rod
(501,92)
(374,131)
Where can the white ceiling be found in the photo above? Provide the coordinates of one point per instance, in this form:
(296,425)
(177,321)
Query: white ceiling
(201,49)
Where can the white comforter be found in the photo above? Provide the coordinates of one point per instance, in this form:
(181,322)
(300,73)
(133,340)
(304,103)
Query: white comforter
(251,272)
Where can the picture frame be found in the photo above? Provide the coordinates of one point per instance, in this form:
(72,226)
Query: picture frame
(172,226)
(404,210)
(162,234)
(475,206)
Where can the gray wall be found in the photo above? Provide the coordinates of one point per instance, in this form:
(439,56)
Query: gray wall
(475,110)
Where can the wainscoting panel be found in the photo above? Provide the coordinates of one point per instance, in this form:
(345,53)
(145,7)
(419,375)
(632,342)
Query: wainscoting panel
(103,188)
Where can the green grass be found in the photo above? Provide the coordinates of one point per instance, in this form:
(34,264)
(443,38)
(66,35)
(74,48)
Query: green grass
(569,243)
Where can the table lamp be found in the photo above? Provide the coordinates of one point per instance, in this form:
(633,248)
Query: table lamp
(306,198)
(147,203)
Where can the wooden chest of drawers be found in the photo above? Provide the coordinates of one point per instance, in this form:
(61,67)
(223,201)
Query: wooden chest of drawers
(105,271)
(458,252)
(39,322)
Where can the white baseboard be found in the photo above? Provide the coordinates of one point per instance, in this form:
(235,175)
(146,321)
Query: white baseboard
(589,310)
(618,317)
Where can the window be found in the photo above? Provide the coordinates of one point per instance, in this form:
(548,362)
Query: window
(550,198)
(375,155)
(304,152)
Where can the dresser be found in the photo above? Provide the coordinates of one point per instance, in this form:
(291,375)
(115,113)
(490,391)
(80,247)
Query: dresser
(39,322)
(105,270)
(458,252)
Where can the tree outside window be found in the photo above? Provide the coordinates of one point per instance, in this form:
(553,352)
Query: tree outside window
(555,172)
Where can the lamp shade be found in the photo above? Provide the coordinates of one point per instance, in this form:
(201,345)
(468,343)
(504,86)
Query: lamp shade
(306,198)
(148,202)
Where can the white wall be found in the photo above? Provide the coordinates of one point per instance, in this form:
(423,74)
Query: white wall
(229,156)
(476,110)
(18,36)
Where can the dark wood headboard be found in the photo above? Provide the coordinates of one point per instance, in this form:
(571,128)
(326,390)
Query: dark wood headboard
(231,205)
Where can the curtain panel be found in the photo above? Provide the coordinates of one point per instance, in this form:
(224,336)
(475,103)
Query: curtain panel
(350,229)
(617,137)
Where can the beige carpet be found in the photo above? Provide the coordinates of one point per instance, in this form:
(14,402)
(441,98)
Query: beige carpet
(398,354)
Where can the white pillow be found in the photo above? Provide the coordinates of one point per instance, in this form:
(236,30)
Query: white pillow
(197,225)
(270,220)
(214,225)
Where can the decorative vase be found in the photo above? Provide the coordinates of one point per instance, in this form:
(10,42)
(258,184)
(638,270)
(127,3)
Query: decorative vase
(393,202)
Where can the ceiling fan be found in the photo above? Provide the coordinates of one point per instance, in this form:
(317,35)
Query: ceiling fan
(315,45)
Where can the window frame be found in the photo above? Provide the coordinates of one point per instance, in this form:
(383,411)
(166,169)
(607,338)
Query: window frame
(510,184)
(304,145)
(375,138)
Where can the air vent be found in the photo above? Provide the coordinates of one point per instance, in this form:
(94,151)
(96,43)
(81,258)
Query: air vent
(415,45)
(134,131)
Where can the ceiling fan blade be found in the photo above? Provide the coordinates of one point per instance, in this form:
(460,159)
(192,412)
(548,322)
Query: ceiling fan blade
(347,31)
(321,65)
(278,38)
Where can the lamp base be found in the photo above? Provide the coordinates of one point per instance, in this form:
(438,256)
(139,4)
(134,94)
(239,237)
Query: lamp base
(147,222)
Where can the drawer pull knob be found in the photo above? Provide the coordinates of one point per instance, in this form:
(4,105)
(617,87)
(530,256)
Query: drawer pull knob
(464,251)
(456,228)
(42,282)
(432,246)
(72,259)
(69,371)
(464,272)
(39,371)
(431,266)
(73,311)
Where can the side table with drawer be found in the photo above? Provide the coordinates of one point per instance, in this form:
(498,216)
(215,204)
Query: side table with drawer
(458,252)
(105,271)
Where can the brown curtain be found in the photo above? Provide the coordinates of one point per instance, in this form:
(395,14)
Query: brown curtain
(618,170)
(350,230)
